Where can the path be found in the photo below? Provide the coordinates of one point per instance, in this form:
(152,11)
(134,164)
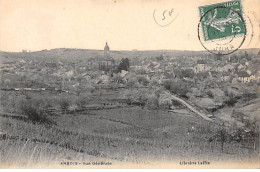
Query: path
(191,108)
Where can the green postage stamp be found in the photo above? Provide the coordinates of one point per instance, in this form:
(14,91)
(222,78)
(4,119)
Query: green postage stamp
(222,20)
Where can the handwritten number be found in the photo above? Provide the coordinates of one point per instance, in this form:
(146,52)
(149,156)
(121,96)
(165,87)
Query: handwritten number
(163,14)
(166,17)
(170,13)
(172,10)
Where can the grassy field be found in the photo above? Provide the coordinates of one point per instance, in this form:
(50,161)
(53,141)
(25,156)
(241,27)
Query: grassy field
(127,134)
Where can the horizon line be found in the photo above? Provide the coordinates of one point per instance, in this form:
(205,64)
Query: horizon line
(29,51)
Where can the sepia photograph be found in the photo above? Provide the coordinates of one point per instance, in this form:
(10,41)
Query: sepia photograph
(119,84)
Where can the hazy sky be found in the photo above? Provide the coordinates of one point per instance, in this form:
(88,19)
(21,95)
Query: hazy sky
(126,25)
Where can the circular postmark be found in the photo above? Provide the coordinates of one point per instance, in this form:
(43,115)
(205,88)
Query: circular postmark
(221,30)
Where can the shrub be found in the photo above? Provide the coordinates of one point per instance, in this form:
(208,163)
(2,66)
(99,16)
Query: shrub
(210,94)
(221,135)
(143,80)
(139,96)
(152,102)
(132,83)
(230,101)
(179,87)
(73,107)
(250,133)
(64,104)
(238,115)
(253,132)
(176,103)
(165,100)
(167,84)
(34,113)
(154,82)
(90,88)
(249,96)
(81,102)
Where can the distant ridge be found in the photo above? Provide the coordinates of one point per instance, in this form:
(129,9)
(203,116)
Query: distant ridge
(117,54)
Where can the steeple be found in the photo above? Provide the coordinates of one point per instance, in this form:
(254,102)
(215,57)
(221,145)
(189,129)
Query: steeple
(106,50)
(107,63)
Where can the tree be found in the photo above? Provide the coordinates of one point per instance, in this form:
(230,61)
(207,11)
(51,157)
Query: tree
(159,58)
(188,73)
(143,80)
(139,96)
(127,63)
(142,96)
(154,82)
(95,74)
(254,132)
(143,70)
(73,107)
(132,82)
(246,55)
(165,100)
(178,87)
(81,102)
(221,135)
(123,65)
(234,58)
(64,104)
(152,101)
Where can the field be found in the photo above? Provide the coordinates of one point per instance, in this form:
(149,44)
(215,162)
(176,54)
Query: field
(127,134)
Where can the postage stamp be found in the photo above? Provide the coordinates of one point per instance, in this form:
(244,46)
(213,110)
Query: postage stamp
(222,29)
(221,20)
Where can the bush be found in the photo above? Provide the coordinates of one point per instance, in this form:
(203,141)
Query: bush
(73,108)
(230,101)
(90,88)
(132,83)
(221,135)
(34,113)
(139,96)
(64,104)
(152,101)
(167,84)
(143,80)
(165,100)
(226,135)
(210,94)
(81,102)
(249,96)
(238,115)
(179,87)
(176,103)
(154,82)
(253,132)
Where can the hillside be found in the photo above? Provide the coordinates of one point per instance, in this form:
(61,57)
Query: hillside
(73,54)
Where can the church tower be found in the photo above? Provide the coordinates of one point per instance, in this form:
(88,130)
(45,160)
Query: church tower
(106,51)
(107,63)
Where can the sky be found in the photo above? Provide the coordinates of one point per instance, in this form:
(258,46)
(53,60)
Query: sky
(126,25)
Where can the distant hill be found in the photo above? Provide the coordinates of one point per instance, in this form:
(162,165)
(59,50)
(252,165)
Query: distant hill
(73,54)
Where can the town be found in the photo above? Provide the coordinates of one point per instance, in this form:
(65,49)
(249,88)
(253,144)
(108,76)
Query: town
(212,78)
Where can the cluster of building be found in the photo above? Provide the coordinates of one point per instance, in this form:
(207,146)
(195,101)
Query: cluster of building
(231,69)
(58,73)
